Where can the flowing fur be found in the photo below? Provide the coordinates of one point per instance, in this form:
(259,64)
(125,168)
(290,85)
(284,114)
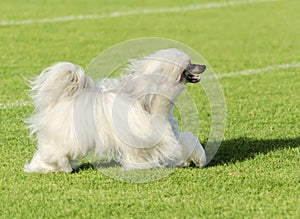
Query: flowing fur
(128,119)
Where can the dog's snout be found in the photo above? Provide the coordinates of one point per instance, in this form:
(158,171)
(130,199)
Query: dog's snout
(196,69)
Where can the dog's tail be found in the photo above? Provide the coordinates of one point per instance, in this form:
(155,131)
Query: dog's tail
(60,81)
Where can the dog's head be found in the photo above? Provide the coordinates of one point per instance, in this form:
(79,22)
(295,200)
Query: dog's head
(191,73)
(172,64)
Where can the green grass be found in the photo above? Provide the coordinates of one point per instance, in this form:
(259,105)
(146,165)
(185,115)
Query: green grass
(256,172)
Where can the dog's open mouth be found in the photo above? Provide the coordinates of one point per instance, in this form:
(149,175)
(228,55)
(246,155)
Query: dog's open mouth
(191,73)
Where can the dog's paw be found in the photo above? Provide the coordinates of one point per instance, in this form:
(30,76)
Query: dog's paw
(192,150)
(198,157)
(38,165)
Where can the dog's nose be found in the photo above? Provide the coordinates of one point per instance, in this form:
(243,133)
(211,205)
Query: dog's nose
(202,68)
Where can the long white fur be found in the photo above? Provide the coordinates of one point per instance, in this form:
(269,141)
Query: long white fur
(129,119)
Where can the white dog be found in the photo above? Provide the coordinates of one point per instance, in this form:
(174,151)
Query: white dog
(129,119)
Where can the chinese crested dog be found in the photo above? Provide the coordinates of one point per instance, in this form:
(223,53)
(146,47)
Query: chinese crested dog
(127,119)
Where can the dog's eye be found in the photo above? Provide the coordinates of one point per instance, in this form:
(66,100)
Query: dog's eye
(188,67)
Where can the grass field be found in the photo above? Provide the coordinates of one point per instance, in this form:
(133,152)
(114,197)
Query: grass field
(256,172)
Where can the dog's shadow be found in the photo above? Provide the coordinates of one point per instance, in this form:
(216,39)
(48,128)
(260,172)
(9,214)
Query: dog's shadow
(95,165)
(240,149)
(230,151)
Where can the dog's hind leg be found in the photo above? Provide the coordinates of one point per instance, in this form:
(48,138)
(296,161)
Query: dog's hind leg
(64,165)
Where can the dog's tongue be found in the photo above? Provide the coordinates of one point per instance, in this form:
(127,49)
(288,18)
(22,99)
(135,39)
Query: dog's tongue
(195,78)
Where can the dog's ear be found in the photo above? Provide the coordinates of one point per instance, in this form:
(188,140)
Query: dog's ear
(157,104)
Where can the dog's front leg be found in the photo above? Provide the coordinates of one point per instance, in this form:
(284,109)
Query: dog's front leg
(192,150)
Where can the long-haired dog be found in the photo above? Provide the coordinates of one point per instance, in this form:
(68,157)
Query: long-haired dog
(128,119)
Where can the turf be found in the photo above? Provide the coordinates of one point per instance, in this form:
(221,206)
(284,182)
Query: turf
(256,172)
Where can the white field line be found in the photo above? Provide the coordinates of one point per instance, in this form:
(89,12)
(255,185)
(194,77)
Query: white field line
(22,103)
(132,12)
(259,70)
